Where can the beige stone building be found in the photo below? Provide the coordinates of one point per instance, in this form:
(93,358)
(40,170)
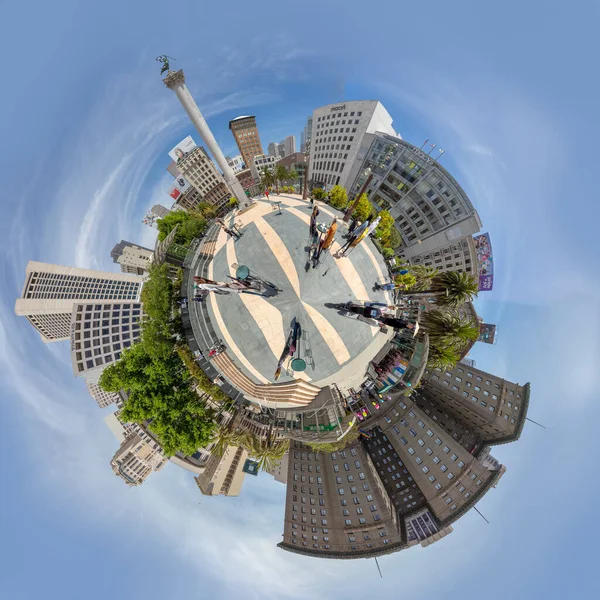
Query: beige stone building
(200,171)
(131,257)
(280,470)
(136,458)
(491,408)
(103,398)
(246,136)
(50,291)
(223,475)
(424,462)
(336,506)
(458,255)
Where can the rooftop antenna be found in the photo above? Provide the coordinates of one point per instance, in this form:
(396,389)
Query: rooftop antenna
(538,424)
(377,563)
(481,515)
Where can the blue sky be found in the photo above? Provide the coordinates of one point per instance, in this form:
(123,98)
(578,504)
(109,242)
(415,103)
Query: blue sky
(509,90)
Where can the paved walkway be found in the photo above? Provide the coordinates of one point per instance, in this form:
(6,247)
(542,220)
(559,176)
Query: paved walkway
(254,329)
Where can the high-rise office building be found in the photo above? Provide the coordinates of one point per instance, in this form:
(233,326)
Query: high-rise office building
(306,134)
(336,506)
(136,459)
(223,474)
(172,168)
(273,149)
(457,255)
(281,149)
(131,257)
(160,211)
(103,398)
(50,291)
(433,213)
(491,408)
(99,334)
(280,470)
(246,136)
(338,131)
(203,175)
(289,145)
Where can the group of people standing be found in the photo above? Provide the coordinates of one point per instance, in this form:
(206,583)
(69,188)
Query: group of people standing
(357,233)
(235,286)
(323,243)
(231,232)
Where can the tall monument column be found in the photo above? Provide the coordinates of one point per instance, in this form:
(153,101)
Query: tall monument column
(175,80)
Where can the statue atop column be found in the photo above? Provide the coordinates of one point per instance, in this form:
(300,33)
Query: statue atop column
(164,59)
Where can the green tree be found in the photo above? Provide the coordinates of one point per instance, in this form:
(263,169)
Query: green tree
(363,209)
(448,329)
(442,358)
(407,280)
(267,179)
(206,210)
(233,202)
(267,452)
(190,226)
(329,447)
(281,174)
(388,252)
(451,288)
(394,240)
(318,193)
(292,175)
(424,275)
(338,197)
(383,232)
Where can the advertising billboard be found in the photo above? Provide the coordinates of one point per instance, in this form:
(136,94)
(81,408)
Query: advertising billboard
(485,263)
(487,333)
(180,185)
(185,145)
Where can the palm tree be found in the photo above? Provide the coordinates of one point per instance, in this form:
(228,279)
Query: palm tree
(423,275)
(448,329)
(292,175)
(266,178)
(225,436)
(267,452)
(441,358)
(450,288)
(281,174)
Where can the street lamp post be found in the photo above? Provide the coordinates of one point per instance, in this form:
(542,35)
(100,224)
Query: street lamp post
(306,162)
(354,204)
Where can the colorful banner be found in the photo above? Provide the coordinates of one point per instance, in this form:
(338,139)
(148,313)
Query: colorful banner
(487,333)
(186,145)
(485,263)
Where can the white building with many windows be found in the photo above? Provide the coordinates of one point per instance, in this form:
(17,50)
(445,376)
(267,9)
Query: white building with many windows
(50,291)
(337,133)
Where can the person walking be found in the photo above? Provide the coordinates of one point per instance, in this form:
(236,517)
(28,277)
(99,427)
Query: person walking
(330,235)
(353,226)
(207,285)
(368,231)
(313,221)
(267,193)
(232,233)
(355,235)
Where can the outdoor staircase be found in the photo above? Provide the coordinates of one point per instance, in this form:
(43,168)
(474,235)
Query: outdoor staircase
(274,395)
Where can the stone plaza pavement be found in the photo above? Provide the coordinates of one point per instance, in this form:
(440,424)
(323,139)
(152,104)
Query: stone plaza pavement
(254,329)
